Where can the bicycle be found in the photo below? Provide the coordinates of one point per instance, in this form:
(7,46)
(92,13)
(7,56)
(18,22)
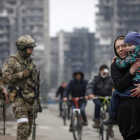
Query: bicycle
(65,112)
(77,119)
(103,129)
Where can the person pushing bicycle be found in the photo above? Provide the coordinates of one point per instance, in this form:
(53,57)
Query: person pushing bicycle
(77,88)
(100,85)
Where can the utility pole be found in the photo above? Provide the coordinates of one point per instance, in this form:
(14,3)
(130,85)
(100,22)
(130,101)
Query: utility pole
(114,23)
(60,57)
(47,63)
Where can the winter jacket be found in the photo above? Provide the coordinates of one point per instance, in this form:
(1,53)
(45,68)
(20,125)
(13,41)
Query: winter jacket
(99,86)
(124,64)
(121,78)
(60,92)
(76,88)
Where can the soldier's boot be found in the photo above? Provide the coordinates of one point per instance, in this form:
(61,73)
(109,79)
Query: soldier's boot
(30,127)
(30,118)
(96,123)
(22,131)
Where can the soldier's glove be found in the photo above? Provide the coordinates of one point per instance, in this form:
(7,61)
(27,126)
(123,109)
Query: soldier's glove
(26,73)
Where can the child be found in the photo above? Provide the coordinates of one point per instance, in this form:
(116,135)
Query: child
(132,43)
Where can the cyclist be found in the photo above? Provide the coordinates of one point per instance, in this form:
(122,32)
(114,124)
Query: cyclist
(77,88)
(100,85)
(59,93)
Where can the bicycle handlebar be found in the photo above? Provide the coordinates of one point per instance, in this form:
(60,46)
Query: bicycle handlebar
(77,98)
(105,99)
(102,97)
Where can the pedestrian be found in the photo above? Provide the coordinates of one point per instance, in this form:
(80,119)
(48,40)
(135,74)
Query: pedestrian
(132,45)
(128,109)
(18,72)
(100,85)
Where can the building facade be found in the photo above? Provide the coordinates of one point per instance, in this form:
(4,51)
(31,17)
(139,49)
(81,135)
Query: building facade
(114,18)
(4,36)
(25,17)
(73,50)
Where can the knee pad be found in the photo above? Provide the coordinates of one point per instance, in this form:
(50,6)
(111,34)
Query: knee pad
(21,120)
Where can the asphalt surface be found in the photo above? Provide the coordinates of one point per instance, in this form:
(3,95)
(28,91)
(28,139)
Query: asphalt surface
(50,127)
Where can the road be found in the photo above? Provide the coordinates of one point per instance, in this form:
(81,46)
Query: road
(50,127)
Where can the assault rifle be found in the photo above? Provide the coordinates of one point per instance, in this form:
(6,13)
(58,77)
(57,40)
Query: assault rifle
(37,103)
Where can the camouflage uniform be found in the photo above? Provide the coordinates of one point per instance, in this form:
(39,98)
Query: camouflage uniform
(1,86)
(21,92)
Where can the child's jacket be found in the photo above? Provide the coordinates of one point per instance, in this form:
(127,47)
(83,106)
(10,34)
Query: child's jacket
(124,64)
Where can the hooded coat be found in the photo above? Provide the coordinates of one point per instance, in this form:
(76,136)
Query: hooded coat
(76,88)
(128,109)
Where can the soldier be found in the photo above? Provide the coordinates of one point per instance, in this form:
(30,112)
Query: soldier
(2,89)
(17,73)
(1,86)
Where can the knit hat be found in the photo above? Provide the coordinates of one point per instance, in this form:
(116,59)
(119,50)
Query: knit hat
(103,67)
(132,38)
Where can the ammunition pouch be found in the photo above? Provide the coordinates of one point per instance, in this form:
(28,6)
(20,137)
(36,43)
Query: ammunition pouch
(29,97)
(13,93)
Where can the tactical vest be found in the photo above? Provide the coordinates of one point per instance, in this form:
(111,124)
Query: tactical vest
(24,65)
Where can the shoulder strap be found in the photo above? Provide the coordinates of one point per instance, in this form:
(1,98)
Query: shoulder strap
(23,65)
(16,57)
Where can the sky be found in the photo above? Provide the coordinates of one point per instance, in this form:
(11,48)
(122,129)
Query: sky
(68,14)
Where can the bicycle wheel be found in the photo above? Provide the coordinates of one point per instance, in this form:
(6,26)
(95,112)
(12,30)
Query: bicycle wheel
(77,126)
(104,130)
(64,116)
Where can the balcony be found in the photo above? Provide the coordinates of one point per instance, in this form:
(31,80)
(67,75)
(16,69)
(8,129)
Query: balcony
(4,40)
(34,23)
(32,14)
(104,4)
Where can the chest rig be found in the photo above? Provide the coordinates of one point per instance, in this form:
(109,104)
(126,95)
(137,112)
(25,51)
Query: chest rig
(27,84)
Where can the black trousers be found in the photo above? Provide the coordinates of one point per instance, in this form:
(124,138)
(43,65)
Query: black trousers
(61,109)
(134,136)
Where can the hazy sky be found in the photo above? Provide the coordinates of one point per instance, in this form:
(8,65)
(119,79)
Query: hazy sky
(67,14)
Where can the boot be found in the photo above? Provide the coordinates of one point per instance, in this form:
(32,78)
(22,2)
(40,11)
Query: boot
(111,132)
(85,122)
(70,128)
(110,121)
(96,123)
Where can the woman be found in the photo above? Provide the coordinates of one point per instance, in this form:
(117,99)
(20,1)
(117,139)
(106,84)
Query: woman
(129,108)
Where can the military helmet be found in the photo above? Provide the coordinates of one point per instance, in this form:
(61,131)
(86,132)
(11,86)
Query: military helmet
(25,42)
